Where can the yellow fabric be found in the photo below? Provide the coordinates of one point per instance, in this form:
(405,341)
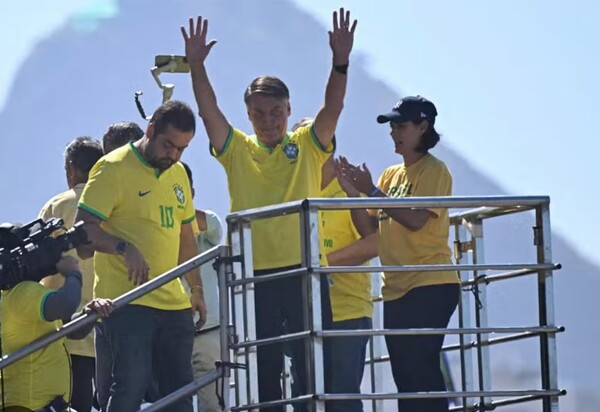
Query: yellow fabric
(145,208)
(428,246)
(64,206)
(35,380)
(260,176)
(350,292)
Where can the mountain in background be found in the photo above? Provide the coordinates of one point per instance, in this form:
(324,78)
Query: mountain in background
(83,76)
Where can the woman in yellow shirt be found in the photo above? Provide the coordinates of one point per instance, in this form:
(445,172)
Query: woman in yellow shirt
(413,237)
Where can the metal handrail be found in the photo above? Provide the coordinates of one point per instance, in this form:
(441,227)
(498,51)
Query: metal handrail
(119,302)
(442,202)
(399,395)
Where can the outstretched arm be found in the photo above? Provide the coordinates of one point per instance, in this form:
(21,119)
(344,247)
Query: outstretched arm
(196,51)
(356,253)
(341,40)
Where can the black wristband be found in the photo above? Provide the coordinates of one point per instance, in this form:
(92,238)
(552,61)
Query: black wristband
(341,68)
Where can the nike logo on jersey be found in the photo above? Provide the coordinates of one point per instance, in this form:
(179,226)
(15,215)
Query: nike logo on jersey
(142,194)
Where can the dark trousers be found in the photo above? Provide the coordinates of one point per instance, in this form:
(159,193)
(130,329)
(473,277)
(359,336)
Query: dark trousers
(279,310)
(135,333)
(415,359)
(103,367)
(346,364)
(82,375)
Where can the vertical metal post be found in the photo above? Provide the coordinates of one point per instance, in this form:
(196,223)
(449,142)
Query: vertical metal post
(244,320)
(543,241)
(249,312)
(464,317)
(377,349)
(481,307)
(223,272)
(309,232)
(235,240)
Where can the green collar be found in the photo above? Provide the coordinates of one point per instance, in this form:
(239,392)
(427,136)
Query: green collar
(269,148)
(141,159)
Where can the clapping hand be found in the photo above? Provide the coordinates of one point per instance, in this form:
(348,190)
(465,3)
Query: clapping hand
(358,176)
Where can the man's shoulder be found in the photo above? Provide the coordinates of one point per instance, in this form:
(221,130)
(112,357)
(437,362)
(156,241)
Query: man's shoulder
(64,199)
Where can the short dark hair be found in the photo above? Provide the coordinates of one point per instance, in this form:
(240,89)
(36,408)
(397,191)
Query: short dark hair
(83,153)
(119,134)
(188,171)
(429,139)
(267,86)
(174,113)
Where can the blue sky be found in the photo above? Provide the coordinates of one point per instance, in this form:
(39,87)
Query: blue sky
(514,81)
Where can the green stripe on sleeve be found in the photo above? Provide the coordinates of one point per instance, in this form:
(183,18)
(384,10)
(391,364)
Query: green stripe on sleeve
(92,211)
(188,220)
(212,149)
(43,303)
(318,143)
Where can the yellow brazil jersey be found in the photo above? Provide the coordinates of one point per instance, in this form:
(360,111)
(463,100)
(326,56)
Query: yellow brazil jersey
(428,246)
(350,292)
(38,378)
(64,206)
(260,176)
(145,208)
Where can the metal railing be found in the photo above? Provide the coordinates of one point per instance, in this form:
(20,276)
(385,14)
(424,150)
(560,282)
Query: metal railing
(236,292)
(218,253)
(474,332)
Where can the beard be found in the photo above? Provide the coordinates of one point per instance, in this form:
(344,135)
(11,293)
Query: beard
(161,164)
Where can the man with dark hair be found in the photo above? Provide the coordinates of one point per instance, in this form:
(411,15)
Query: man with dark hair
(273,167)
(140,228)
(80,156)
(119,134)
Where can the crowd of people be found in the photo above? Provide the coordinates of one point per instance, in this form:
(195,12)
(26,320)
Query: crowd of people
(135,197)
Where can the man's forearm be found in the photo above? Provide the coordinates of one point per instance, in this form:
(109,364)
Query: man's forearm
(203,91)
(187,251)
(100,240)
(335,91)
(365,224)
(356,253)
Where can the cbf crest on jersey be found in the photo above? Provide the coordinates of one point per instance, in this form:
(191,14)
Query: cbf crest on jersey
(291,150)
(179,193)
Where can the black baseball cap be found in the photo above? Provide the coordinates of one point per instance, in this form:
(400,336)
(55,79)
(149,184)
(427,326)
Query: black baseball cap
(410,108)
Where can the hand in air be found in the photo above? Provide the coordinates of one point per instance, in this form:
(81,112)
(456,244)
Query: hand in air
(196,48)
(341,38)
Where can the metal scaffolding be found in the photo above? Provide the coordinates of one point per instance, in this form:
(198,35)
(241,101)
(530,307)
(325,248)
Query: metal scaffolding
(475,335)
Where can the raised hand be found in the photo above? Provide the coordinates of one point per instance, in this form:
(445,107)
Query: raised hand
(341,38)
(196,48)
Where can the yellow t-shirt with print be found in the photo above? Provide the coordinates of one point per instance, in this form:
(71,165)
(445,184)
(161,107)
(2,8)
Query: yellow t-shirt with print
(143,207)
(64,206)
(350,292)
(259,176)
(428,246)
(35,380)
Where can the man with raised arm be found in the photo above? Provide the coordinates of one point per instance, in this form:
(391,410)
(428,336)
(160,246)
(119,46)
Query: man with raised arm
(270,167)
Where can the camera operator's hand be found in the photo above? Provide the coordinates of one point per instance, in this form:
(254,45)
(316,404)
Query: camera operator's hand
(67,264)
(137,268)
(103,307)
